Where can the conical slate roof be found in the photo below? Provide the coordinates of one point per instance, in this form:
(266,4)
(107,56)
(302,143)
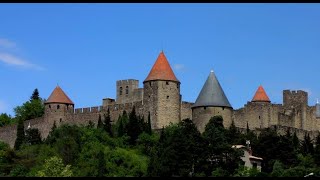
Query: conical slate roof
(261,95)
(58,96)
(161,70)
(212,94)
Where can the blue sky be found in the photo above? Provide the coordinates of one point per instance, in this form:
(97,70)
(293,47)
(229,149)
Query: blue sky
(86,48)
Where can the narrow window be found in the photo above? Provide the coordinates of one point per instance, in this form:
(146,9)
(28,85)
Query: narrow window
(149,96)
(60,119)
(50,106)
(167,97)
(204,108)
(120,90)
(127,90)
(259,117)
(167,83)
(222,108)
(150,83)
(58,107)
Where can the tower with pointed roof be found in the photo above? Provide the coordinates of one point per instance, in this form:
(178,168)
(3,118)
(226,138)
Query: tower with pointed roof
(58,106)
(211,101)
(261,96)
(161,94)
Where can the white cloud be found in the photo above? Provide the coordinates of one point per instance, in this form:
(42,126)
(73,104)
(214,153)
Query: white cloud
(16,61)
(7,43)
(178,67)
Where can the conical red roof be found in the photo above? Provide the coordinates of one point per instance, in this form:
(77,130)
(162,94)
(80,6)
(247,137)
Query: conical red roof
(261,95)
(58,96)
(161,70)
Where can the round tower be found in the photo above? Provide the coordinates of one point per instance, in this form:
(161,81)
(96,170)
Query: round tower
(161,94)
(57,107)
(259,110)
(211,101)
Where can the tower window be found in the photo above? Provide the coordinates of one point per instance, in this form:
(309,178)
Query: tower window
(50,106)
(58,107)
(204,108)
(150,83)
(167,82)
(60,119)
(127,90)
(167,97)
(120,91)
(259,117)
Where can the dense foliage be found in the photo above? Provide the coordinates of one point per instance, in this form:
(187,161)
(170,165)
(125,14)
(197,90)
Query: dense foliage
(129,147)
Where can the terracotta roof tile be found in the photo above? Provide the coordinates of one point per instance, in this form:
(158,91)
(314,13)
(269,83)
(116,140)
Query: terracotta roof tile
(161,70)
(58,96)
(260,96)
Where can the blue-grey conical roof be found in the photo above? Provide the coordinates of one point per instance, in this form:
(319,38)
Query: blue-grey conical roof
(212,94)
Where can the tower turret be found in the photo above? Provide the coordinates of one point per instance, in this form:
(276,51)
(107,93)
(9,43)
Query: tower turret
(261,96)
(58,106)
(161,94)
(211,101)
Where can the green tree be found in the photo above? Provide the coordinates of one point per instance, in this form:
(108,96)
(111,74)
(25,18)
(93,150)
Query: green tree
(100,124)
(20,134)
(90,124)
(133,127)
(31,109)
(54,167)
(316,154)
(101,164)
(149,129)
(33,136)
(5,119)
(107,123)
(35,95)
(277,169)
(307,145)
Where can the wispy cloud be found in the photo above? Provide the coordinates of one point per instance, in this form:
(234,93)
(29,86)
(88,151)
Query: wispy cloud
(7,43)
(11,59)
(178,67)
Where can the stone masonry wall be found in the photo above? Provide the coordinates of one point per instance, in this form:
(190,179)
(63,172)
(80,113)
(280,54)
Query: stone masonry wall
(162,100)
(202,115)
(186,111)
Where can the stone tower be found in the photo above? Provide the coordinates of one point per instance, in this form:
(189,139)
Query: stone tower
(161,97)
(211,102)
(57,107)
(260,108)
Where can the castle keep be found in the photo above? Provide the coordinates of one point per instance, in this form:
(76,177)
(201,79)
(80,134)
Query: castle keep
(161,99)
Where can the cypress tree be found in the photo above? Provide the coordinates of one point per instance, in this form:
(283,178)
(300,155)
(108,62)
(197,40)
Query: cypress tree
(107,123)
(100,124)
(20,134)
(133,127)
(35,95)
(33,136)
(149,129)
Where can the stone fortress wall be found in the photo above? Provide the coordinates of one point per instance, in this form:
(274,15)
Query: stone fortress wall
(161,99)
